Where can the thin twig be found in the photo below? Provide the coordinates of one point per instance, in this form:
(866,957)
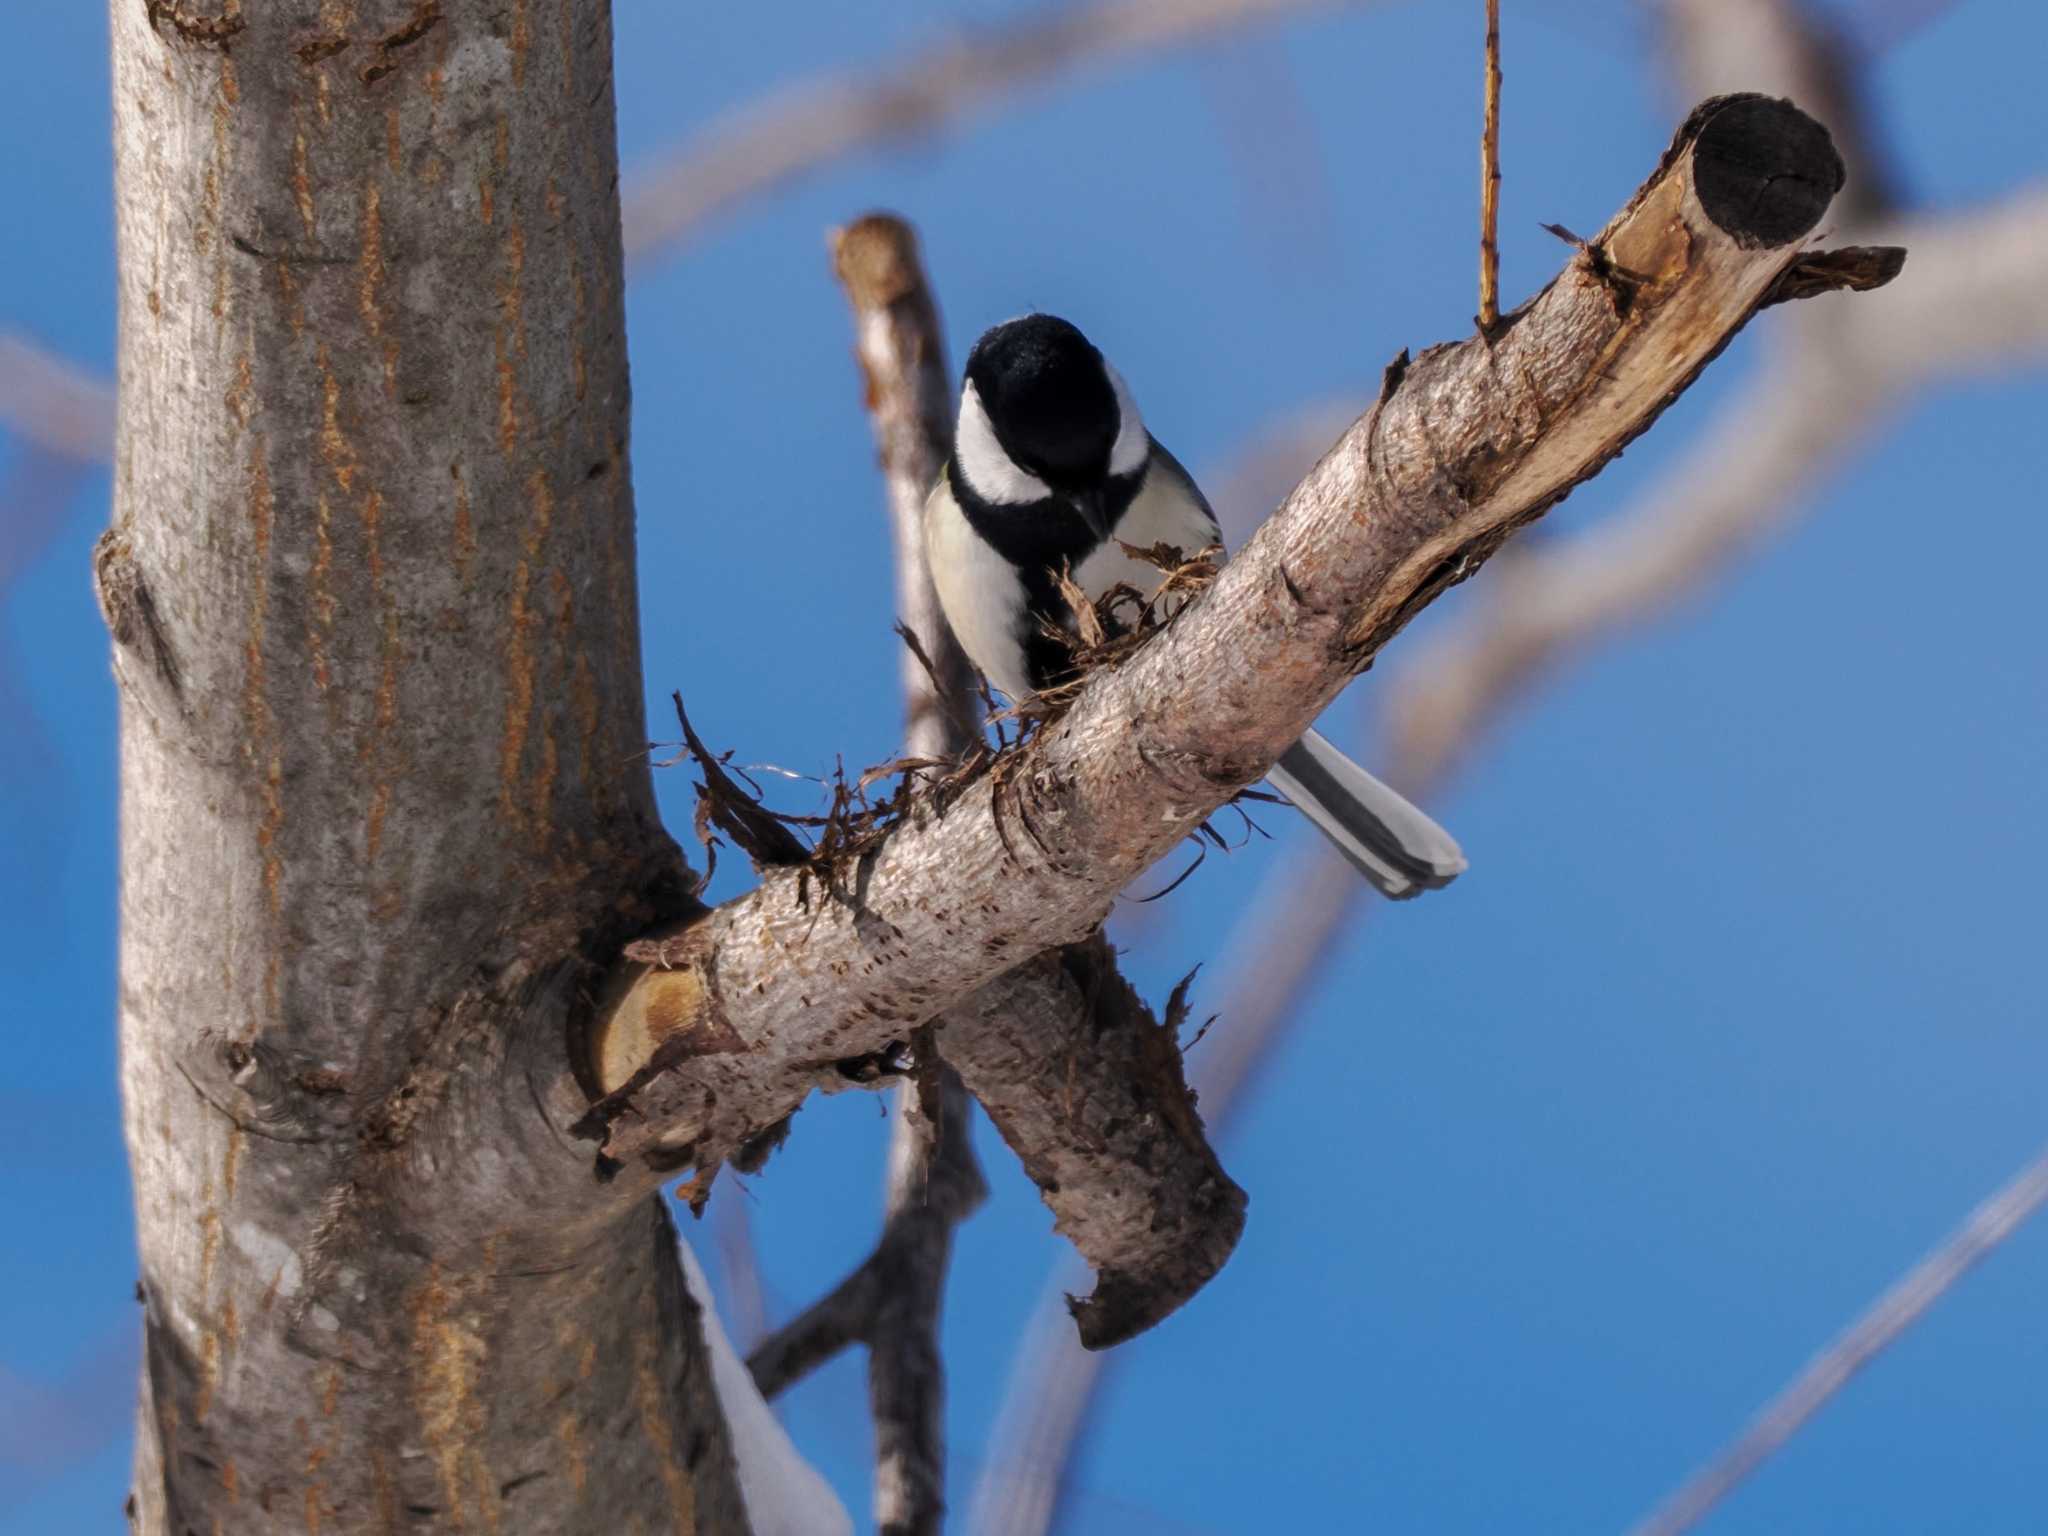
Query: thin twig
(1898,1309)
(808,125)
(1489,180)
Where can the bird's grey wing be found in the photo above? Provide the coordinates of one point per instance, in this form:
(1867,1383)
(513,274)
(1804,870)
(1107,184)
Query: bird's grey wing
(1166,461)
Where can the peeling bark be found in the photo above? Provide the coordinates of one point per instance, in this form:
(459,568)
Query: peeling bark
(371,585)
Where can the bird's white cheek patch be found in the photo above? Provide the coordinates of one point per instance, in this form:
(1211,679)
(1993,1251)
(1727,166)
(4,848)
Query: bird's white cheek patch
(992,473)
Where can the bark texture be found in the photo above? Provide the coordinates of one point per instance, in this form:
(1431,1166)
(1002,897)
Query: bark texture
(1468,442)
(371,581)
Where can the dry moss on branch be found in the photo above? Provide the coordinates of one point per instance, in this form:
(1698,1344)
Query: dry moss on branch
(1105,632)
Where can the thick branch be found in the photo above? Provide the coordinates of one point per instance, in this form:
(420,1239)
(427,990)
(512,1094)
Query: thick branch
(1468,443)
(1100,1113)
(811,124)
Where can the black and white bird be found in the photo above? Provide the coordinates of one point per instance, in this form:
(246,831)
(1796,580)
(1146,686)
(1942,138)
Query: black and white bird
(1052,468)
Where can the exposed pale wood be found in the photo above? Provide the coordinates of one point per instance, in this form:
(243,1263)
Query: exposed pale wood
(371,579)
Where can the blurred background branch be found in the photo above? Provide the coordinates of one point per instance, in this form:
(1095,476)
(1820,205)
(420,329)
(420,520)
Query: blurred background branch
(54,405)
(802,128)
(60,421)
(1875,1331)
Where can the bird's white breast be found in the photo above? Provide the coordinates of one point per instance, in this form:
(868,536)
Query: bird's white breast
(1166,510)
(981,592)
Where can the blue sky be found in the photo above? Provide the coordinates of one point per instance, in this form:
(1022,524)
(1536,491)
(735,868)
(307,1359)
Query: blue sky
(1565,1169)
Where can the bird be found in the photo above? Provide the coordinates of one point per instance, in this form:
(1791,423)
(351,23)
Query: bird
(1052,469)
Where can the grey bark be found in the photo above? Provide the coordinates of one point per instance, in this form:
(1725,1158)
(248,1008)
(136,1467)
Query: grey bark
(371,577)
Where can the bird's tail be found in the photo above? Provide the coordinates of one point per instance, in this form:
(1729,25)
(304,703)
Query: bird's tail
(1394,845)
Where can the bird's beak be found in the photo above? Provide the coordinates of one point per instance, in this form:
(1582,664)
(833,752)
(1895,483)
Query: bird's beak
(1089,505)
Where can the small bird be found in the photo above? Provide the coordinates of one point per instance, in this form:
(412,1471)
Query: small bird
(1052,469)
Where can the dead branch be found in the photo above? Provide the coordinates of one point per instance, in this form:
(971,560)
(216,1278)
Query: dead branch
(1087,1089)
(908,390)
(806,126)
(1469,442)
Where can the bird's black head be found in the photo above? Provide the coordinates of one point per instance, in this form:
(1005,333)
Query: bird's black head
(1041,411)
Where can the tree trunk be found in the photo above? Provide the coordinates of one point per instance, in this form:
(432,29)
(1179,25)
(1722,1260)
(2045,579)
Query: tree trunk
(371,581)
